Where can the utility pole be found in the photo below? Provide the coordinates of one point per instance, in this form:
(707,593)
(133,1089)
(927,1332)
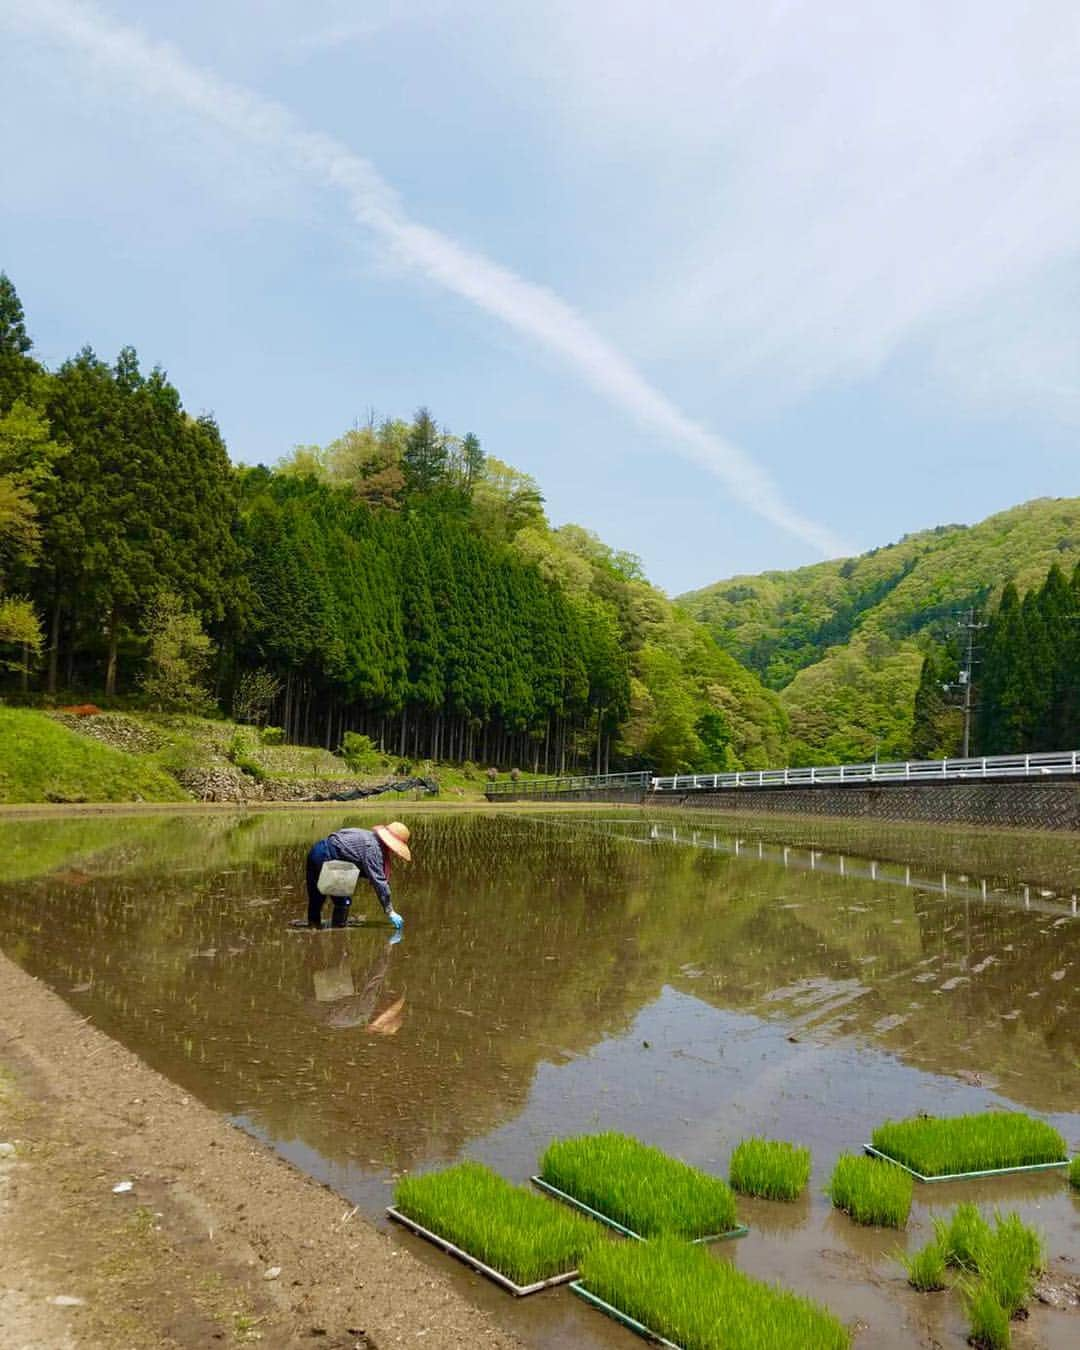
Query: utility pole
(971,625)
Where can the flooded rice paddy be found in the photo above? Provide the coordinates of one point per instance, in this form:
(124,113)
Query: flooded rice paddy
(567,972)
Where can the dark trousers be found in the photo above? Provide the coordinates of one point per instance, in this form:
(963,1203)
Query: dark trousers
(319,854)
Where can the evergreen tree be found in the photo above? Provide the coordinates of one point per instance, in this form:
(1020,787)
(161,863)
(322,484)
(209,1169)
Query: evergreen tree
(16,365)
(424,459)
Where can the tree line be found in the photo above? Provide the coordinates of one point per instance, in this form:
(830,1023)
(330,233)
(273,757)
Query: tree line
(1026,677)
(397,583)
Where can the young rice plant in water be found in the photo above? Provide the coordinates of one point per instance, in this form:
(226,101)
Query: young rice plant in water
(770,1168)
(988,1322)
(926,1269)
(639,1187)
(937,1147)
(689,1297)
(514,1230)
(1002,1263)
(871,1191)
(1074,1172)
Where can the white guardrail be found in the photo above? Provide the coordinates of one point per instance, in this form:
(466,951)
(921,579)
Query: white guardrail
(1051,762)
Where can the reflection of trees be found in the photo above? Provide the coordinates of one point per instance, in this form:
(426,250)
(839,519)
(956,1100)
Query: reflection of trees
(523,943)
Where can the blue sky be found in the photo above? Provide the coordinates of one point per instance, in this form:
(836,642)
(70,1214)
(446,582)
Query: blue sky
(742,286)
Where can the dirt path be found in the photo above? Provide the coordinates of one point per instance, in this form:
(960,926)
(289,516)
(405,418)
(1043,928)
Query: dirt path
(217,1242)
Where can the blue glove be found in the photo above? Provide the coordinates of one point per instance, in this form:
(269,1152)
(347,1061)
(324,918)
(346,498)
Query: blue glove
(395,918)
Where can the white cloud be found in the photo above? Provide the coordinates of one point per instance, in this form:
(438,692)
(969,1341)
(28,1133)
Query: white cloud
(843,181)
(161,76)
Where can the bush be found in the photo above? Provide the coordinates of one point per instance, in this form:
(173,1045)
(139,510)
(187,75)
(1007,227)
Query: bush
(254,694)
(517,1232)
(639,1187)
(684,1294)
(272,735)
(770,1168)
(359,752)
(871,1191)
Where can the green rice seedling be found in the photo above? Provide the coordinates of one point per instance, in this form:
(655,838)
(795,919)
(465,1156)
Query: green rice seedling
(510,1228)
(1012,1234)
(988,1322)
(936,1147)
(684,1294)
(963,1237)
(1074,1172)
(1007,1257)
(770,1168)
(871,1191)
(926,1269)
(639,1187)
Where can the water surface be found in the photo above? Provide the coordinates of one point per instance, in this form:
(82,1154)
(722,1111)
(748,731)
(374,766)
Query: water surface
(562,973)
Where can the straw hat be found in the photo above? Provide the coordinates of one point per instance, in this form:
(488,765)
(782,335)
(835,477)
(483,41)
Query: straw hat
(396,838)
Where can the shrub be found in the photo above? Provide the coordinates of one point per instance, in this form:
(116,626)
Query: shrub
(770,1168)
(936,1146)
(272,735)
(639,1187)
(871,1191)
(254,693)
(510,1228)
(926,1269)
(359,752)
(684,1294)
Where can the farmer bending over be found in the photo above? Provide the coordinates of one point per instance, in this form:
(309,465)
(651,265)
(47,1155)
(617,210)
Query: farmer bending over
(372,851)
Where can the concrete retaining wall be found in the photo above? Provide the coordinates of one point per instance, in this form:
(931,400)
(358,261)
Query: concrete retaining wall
(1026,804)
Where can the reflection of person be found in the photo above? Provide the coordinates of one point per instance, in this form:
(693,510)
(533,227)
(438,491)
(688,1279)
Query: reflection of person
(352,1004)
(372,851)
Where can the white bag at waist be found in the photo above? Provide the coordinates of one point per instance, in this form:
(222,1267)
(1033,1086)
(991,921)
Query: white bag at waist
(338,878)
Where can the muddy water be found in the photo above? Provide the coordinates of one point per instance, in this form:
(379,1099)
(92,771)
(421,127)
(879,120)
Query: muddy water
(566,973)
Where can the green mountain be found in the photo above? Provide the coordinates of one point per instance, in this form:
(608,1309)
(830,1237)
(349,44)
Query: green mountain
(843,641)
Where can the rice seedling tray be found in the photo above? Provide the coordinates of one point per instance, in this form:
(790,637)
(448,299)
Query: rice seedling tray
(740,1230)
(963,1176)
(614,1313)
(520,1290)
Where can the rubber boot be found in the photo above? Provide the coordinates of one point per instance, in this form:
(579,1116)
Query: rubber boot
(341,912)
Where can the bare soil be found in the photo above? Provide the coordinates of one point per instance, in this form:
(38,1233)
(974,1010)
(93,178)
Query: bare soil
(217,1242)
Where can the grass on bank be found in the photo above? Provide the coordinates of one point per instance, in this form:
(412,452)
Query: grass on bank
(515,1231)
(935,1146)
(871,1191)
(770,1168)
(42,761)
(686,1295)
(638,1186)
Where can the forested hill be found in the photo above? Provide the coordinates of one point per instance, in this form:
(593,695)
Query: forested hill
(843,641)
(398,583)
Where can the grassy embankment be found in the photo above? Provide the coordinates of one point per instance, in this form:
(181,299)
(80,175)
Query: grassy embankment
(140,756)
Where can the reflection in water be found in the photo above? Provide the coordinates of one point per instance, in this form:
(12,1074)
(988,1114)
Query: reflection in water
(560,973)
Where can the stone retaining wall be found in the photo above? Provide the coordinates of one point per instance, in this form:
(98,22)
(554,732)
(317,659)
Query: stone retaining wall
(1024,804)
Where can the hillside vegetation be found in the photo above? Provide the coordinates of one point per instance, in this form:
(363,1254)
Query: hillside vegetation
(843,641)
(397,583)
